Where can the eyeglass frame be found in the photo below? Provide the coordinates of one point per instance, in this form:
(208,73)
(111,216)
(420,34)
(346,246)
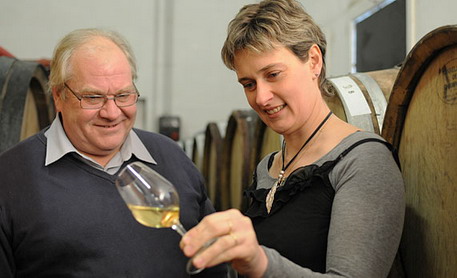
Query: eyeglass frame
(105,97)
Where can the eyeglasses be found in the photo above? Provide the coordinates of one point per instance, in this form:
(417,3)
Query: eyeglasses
(88,101)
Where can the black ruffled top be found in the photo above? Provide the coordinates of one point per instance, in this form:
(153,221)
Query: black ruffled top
(298,223)
(295,183)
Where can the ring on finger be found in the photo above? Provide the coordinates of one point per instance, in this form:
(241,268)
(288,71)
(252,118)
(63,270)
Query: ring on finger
(229,223)
(235,239)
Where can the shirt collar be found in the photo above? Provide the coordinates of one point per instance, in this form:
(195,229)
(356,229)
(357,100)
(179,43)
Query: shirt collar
(59,145)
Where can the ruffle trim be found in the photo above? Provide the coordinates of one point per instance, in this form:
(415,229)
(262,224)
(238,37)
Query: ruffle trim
(302,178)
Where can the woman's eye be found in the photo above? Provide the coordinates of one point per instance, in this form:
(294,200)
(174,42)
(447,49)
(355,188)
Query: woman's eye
(273,74)
(249,86)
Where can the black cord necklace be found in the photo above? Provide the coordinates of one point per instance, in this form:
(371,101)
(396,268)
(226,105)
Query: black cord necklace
(280,181)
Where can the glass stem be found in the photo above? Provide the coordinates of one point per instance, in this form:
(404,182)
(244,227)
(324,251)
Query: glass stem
(177,226)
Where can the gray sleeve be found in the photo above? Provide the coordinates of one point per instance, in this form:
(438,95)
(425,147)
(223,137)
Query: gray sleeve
(280,267)
(366,221)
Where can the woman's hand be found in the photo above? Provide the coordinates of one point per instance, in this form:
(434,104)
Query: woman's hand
(236,243)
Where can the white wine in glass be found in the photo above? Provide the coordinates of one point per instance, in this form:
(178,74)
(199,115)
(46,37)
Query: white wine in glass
(152,199)
(155,217)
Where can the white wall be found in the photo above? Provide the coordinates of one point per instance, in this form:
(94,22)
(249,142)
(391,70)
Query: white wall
(177,44)
(425,16)
(30,29)
(202,89)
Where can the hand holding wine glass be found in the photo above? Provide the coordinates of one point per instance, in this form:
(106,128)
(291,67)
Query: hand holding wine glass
(237,243)
(152,199)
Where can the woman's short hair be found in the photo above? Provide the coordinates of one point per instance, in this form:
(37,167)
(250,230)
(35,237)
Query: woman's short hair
(60,63)
(261,27)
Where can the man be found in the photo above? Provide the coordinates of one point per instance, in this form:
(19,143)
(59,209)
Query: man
(60,212)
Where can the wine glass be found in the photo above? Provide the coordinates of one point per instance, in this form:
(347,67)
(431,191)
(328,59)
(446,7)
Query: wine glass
(153,201)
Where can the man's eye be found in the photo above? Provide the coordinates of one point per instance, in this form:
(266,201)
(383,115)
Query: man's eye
(124,97)
(93,98)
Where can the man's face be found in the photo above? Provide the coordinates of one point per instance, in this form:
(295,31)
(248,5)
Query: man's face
(97,67)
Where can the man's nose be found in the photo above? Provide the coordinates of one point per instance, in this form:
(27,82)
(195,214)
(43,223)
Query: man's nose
(110,110)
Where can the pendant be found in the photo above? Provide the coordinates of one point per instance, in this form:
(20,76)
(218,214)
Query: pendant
(271,194)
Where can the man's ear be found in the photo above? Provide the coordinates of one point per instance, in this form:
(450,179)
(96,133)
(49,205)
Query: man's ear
(57,97)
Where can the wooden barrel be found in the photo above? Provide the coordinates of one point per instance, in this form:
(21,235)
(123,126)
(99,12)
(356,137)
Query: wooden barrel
(212,161)
(50,103)
(197,150)
(23,101)
(421,122)
(265,141)
(361,98)
(4,52)
(187,146)
(237,148)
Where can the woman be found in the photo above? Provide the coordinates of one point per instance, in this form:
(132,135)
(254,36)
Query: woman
(330,203)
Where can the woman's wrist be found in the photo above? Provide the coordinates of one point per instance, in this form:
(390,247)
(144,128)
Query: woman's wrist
(260,264)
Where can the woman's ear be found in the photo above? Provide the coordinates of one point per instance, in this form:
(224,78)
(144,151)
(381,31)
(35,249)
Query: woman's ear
(315,59)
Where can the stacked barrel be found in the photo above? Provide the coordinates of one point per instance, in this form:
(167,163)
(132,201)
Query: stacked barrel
(421,122)
(25,108)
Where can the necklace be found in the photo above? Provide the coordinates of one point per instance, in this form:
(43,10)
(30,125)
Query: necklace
(280,181)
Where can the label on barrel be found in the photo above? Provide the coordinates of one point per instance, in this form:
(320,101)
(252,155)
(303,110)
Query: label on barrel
(351,96)
(449,74)
(356,108)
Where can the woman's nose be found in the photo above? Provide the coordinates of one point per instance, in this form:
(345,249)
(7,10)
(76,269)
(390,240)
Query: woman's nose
(263,94)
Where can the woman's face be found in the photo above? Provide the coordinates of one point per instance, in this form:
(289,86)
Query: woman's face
(280,87)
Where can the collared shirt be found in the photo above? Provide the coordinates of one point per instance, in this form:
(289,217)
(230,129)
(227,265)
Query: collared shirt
(59,145)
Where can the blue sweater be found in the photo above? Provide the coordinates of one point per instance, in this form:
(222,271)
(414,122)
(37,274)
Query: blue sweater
(68,219)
